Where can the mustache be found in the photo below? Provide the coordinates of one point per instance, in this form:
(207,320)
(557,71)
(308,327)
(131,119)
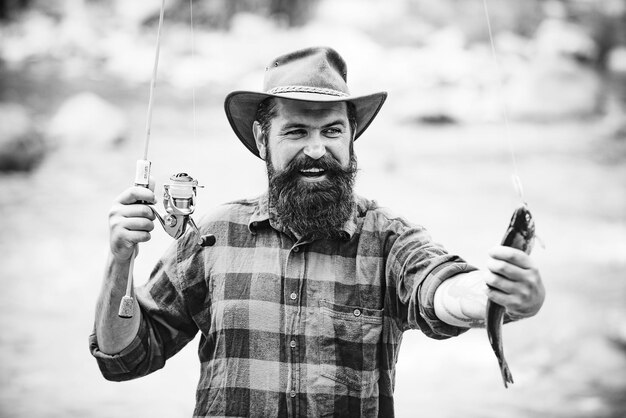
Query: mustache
(329,164)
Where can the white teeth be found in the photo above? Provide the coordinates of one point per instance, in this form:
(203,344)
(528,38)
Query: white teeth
(312,170)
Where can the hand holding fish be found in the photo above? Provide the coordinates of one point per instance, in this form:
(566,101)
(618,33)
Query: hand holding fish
(513,285)
(514,282)
(511,280)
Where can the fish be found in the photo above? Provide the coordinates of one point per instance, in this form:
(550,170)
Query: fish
(521,235)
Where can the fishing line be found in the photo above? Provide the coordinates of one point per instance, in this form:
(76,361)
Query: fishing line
(517,183)
(521,232)
(193,59)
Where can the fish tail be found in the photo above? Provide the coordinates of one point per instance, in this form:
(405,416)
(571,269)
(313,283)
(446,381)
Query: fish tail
(507,377)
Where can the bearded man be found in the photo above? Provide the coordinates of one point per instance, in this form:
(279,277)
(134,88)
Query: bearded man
(303,300)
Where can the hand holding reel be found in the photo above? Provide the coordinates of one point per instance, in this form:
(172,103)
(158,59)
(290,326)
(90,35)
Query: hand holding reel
(179,200)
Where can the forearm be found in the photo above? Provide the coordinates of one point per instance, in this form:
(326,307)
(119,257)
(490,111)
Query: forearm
(112,332)
(461,300)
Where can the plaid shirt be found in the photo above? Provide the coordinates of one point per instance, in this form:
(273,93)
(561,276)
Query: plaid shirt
(290,327)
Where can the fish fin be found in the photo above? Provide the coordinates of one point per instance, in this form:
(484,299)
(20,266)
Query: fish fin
(507,377)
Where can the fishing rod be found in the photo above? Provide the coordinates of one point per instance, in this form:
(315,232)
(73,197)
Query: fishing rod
(179,195)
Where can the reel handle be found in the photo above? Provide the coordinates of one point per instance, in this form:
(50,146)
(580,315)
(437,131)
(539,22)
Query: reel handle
(207,240)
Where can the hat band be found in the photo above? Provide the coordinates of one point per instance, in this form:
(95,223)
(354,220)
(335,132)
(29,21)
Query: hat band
(307,89)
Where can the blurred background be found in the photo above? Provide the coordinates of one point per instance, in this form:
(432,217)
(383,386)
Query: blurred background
(74,77)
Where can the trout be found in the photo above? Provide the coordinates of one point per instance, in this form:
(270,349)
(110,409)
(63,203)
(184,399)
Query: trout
(521,235)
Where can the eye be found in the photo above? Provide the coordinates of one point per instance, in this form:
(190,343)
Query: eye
(333,132)
(295,133)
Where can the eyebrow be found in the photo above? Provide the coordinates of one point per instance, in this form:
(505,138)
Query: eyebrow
(296,125)
(337,122)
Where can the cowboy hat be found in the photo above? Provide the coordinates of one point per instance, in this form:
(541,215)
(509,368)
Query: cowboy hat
(313,75)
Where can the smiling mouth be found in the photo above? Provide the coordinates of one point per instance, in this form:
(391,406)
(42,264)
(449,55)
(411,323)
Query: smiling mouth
(312,172)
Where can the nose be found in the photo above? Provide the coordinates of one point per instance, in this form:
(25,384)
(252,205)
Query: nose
(315,149)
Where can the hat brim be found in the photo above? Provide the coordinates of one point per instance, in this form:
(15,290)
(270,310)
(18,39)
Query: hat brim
(241,108)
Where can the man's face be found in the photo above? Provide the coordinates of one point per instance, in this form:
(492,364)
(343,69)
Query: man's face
(310,165)
(307,128)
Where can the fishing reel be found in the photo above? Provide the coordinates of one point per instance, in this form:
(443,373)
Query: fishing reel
(179,200)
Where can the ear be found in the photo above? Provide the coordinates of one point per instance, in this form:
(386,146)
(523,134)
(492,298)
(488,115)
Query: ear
(260,139)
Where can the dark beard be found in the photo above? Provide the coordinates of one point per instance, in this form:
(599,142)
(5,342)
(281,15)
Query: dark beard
(313,210)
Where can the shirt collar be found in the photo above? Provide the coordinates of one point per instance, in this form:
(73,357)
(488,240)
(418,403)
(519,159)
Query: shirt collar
(263,215)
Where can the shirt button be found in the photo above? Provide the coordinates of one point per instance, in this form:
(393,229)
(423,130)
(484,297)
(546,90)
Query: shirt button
(292,394)
(293,296)
(296,250)
(357,312)
(292,344)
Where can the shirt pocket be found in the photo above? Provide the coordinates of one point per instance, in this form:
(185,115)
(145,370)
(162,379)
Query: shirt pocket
(350,340)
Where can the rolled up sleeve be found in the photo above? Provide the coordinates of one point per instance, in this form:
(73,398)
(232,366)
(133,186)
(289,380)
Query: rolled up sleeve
(125,364)
(428,321)
(418,266)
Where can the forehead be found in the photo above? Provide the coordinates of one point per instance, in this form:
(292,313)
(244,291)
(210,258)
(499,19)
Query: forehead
(293,109)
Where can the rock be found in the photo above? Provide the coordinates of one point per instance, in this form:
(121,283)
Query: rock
(22,146)
(87,118)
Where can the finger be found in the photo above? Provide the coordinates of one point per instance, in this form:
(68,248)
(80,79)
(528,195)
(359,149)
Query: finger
(125,243)
(507,270)
(515,304)
(135,237)
(500,283)
(511,255)
(137,224)
(140,236)
(502,298)
(136,194)
(132,211)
